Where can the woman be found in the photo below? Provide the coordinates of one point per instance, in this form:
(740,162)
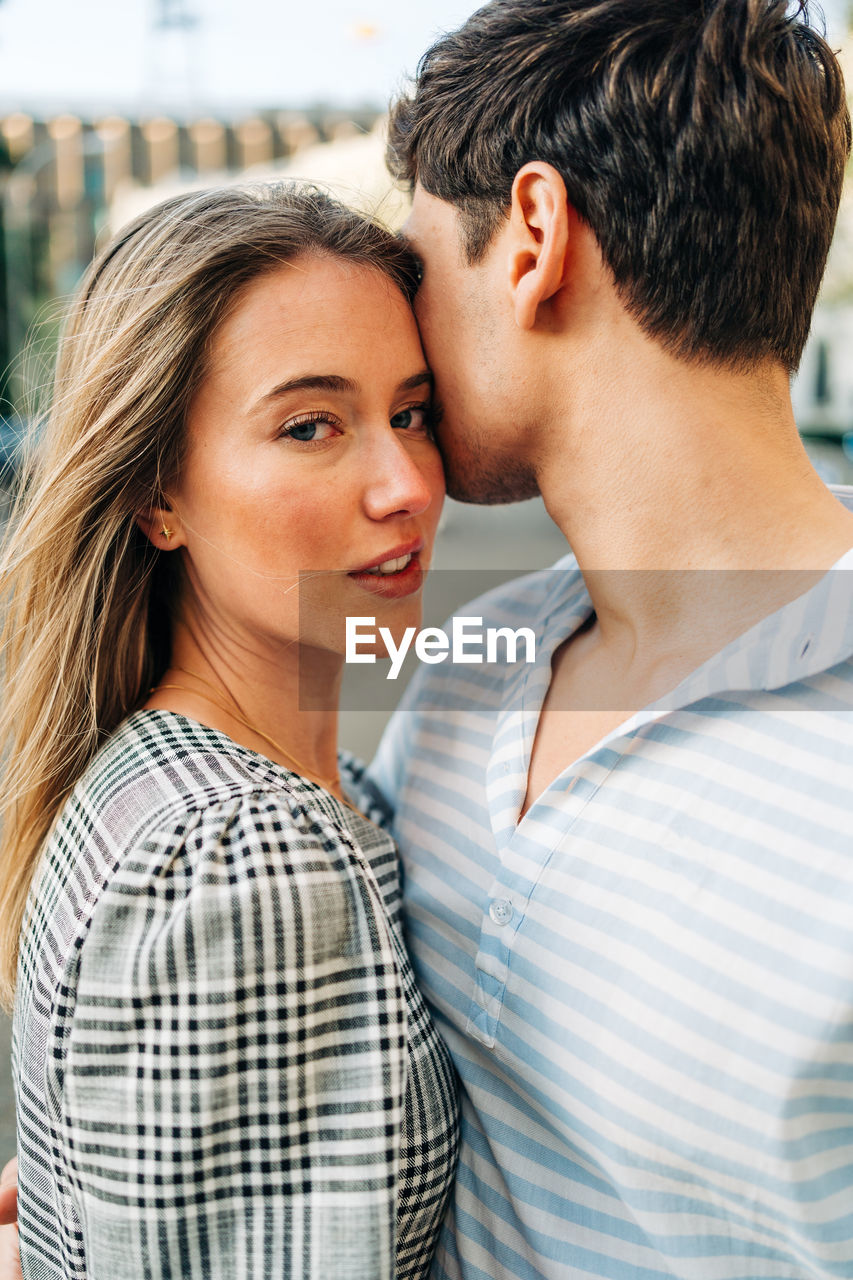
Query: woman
(223,1065)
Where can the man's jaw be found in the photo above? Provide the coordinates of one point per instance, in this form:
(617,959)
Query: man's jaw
(481,475)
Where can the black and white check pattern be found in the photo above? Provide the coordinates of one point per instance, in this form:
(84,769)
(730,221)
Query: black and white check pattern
(223,1066)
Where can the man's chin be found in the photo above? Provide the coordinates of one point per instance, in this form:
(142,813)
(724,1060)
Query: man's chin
(488,487)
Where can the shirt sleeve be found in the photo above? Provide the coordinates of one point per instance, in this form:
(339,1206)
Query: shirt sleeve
(233,1083)
(386,771)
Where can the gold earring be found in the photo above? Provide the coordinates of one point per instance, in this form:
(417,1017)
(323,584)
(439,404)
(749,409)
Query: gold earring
(167,533)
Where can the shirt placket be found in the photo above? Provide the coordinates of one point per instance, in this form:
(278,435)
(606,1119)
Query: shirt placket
(520,859)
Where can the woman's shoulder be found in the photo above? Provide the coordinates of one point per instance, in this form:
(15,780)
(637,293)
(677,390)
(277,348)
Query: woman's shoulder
(171,825)
(158,760)
(162,776)
(162,770)
(171,806)
(255,868)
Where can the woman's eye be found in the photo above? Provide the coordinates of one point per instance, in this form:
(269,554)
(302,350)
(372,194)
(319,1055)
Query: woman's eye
(417,418)
(310,429)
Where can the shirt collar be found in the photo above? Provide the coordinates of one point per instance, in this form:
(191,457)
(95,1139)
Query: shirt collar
(811,634)
(807,636)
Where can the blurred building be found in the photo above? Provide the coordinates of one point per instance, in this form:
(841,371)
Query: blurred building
(61,176)
(823,388)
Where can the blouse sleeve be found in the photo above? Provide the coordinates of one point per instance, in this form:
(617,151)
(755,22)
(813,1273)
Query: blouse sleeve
(233,1083)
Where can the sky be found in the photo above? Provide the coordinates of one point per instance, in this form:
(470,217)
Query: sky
(262,53)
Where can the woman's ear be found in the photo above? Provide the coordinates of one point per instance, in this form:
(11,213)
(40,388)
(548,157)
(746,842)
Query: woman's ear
(162,526)
(539,239)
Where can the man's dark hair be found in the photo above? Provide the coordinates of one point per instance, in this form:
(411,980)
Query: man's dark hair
(703,141)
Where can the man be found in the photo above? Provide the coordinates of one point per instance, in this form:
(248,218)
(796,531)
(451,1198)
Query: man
(623,213)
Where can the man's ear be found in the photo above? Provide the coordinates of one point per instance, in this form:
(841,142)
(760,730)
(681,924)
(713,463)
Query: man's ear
(539,239)
(162,526)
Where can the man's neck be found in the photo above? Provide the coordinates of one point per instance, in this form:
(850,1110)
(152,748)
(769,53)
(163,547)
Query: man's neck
(665,465)
(683,492)
(667,468)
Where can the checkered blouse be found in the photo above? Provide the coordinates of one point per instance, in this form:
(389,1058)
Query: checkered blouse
(223,1066)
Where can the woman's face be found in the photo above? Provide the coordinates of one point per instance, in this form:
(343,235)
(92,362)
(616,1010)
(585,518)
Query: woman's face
(309,453)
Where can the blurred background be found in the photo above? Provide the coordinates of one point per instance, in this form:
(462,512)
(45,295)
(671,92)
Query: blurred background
(106,108)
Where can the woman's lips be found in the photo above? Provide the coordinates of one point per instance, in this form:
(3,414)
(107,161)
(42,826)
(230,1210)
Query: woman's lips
(387,558)
(395,585)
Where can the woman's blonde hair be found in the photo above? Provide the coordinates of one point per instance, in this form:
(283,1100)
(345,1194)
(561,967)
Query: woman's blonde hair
(84,595)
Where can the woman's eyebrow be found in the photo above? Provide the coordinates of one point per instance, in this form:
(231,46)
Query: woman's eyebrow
(416,380)
(310,382)
(334,382)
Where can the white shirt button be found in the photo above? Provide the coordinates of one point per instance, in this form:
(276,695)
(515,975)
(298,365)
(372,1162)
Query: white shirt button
(500,911)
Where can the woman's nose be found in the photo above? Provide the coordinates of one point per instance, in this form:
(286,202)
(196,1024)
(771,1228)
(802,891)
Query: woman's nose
(398,482)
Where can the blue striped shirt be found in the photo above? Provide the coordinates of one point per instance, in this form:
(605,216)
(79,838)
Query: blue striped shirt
(647,983)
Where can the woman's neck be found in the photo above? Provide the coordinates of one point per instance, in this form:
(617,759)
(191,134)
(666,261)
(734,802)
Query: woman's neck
(284,709)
